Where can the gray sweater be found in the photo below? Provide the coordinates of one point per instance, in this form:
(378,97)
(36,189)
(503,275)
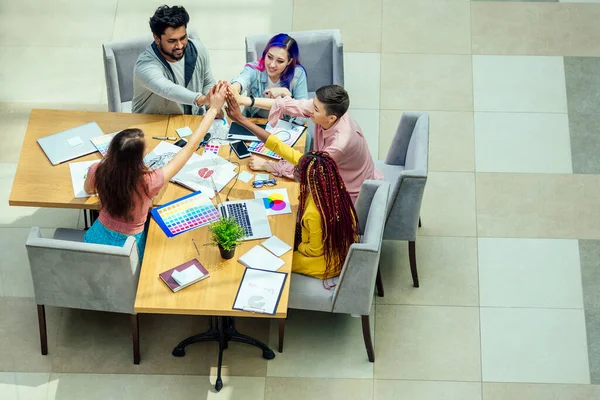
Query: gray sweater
(155,90)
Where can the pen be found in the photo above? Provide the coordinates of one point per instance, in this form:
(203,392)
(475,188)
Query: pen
(193,241)
(164,138)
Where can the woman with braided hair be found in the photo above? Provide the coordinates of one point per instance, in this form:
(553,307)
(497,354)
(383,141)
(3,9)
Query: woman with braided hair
(327,224)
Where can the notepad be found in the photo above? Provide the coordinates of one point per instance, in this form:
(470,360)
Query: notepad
(245,176)
(276,246)
(184,132)
(184,275)
(259,258)
(261,177)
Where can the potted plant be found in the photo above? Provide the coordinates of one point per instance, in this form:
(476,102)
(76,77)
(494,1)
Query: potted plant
(227,234)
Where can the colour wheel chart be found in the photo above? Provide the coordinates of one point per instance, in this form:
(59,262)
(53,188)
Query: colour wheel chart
(276,201)
(102,142)
(185,214)
(259,148)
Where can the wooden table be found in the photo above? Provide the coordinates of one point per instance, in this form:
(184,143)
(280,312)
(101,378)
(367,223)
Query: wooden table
(38,183)
(215,295)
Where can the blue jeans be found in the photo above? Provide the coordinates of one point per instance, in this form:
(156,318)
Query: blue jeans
(100,234)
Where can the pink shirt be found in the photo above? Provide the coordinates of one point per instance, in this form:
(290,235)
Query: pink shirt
(344,142)
(141,204)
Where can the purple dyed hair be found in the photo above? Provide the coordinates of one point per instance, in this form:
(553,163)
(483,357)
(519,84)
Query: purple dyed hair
(287,42)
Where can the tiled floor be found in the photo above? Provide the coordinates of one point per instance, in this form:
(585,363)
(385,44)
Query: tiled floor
(509,251)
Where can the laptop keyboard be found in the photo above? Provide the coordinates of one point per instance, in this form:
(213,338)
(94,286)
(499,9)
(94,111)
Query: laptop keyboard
(239,211)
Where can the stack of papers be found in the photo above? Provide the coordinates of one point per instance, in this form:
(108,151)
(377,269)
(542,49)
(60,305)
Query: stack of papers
(196,174)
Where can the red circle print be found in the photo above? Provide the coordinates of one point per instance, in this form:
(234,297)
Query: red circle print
(205,173)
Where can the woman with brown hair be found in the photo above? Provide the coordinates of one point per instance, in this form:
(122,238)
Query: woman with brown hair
(126,187)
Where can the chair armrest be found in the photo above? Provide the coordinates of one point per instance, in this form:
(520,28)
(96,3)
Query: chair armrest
(404,207)
(113,93)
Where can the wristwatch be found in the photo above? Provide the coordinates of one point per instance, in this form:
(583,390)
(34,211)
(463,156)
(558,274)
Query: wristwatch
(251,101)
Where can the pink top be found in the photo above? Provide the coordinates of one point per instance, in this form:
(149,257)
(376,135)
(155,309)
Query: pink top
(344,142)
(154,181)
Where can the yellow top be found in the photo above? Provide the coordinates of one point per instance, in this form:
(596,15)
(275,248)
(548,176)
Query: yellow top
(309,259)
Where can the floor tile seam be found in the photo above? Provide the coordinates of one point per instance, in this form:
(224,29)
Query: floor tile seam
(478,111)
(545,174)
(480,307)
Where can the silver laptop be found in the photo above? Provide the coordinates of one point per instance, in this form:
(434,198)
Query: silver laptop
(72,143)
(249,214)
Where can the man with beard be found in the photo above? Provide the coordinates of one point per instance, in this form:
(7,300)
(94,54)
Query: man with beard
(173,75)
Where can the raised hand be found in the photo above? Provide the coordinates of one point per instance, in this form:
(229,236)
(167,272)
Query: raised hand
(217,96)
(233,108)
(274,93)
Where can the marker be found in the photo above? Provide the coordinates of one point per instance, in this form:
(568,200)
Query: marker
(194,242)
(164,138)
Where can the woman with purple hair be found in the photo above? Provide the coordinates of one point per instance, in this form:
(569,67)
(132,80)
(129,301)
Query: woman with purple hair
(278,73)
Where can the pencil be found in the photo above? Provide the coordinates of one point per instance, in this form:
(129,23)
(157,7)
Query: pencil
(194,242)
(164,138)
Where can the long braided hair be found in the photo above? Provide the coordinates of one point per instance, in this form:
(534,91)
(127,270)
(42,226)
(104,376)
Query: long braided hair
(320,178)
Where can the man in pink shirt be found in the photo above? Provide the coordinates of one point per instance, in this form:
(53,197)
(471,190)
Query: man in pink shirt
(335,132)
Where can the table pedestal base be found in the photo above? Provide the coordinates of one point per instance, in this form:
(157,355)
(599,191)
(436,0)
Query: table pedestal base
(222,330)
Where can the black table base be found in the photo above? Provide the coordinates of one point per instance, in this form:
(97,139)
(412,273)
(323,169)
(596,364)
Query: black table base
(222,330)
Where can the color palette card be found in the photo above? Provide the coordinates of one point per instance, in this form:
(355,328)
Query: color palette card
(259,148)
(185,214)
(102,142)
(212,149)
(276,201)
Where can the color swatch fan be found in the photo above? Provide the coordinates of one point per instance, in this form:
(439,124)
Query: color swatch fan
(287,132)
(103,142)
(259,148)
(185,214)
(276,201)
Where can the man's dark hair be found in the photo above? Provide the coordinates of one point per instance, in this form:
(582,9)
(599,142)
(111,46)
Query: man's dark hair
(168,17)
(335,99)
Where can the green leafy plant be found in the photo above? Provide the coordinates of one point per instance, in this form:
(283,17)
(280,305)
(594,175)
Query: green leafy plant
(226,233)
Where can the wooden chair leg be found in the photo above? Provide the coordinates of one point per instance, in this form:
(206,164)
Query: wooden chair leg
(412,255)
(41,310)
(281,323)
(366,328)
(379,282)
(135,334)
(419,222)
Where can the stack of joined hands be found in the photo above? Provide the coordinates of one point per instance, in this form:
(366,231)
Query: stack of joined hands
(223,93)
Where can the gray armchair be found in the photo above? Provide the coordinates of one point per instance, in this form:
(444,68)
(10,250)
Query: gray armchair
(69,273)
(321,54)
(119,63)
(353,293)
(405,168)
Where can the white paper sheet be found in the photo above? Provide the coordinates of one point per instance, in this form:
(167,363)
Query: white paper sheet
(245,176)
(78,174)
(75,141)
(196,173)
(184,132)
(259,291)
(276,201)
(261,177)
(276,246)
